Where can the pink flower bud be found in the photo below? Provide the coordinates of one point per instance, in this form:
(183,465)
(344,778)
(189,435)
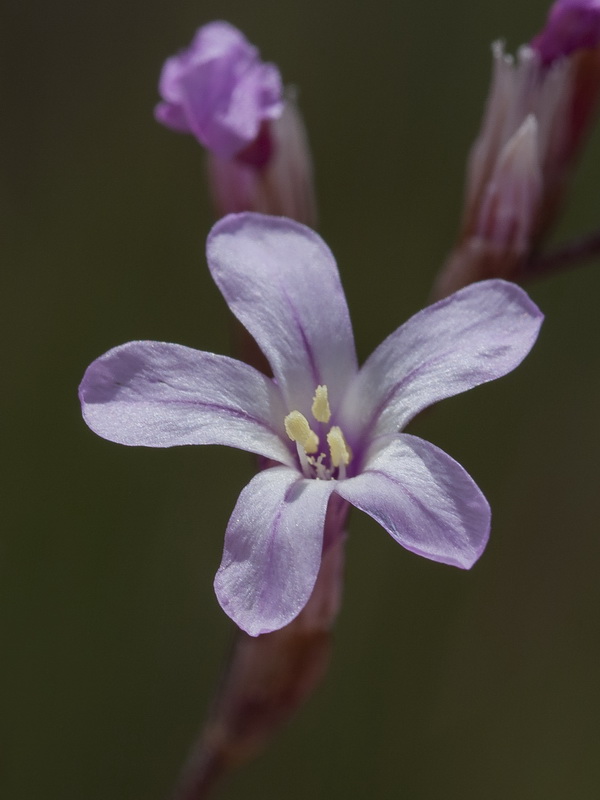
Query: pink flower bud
(219,90)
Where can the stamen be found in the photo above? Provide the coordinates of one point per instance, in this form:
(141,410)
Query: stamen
(338,449)
(320,407)
(298,429)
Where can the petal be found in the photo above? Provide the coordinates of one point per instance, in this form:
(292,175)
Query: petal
(280,280)
(424,499)
(255,95)
(272,549)
(159,395)
(476,335)
(172,116)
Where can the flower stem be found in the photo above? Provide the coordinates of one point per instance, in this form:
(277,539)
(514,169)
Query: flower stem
(269,677)
(570,255)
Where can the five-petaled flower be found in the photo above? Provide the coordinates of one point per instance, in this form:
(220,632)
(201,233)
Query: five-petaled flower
(329,426)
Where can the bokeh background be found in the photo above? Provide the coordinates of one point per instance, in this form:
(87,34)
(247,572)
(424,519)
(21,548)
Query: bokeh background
(444,684)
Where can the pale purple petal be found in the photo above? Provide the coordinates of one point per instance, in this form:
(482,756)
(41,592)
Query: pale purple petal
(219,90)
(171,112)
(424,499)
(476,335)
(172,116)
(572,25)
(159,395)
(272,549)
(280,280)
(255,96)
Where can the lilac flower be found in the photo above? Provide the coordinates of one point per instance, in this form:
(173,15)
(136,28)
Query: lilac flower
(219,90)
(327,426)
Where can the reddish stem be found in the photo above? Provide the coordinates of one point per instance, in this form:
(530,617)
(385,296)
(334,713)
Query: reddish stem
(570,255)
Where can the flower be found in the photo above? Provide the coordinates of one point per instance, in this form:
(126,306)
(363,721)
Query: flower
(327,426)
(219,90)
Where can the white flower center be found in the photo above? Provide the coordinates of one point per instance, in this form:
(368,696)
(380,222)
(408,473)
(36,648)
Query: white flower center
(307,441)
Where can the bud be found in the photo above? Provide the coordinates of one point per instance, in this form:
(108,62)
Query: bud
(539,107)
(506,217)
(220,91)
(521,89)
(511,197)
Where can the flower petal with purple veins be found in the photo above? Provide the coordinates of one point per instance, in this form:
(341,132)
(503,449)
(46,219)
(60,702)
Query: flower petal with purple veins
(474,336)
(281,281)
(272,549)
(424,499)
(160,395)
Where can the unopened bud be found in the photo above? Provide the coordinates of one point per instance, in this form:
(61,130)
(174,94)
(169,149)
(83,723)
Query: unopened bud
(539,106)
(509,205)
(521,89)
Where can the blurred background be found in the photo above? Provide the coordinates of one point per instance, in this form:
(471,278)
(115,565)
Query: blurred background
(444,684)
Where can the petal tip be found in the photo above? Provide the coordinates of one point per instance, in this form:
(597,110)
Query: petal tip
(245,619)
(259,223)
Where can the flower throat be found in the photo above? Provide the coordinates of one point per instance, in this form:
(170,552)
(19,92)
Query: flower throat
(307,441)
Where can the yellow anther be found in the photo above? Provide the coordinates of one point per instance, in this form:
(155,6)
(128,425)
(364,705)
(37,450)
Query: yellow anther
(298,429)
(338,448)
(320,407)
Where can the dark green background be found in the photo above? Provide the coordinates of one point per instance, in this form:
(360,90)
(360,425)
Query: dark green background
(444,684)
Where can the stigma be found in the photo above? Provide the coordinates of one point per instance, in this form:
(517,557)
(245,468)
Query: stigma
(323,466)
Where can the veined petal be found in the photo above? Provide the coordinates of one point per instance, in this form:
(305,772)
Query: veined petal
(272,549)
(159,395)
(424,499)
(476,335)
(280,280)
